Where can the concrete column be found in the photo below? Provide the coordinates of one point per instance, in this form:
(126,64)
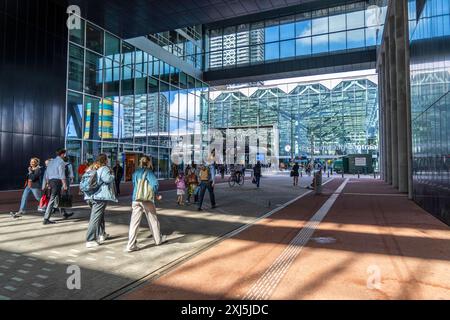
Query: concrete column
(387,112)
(408,103)
(381,122)
(393,98)
(400,74)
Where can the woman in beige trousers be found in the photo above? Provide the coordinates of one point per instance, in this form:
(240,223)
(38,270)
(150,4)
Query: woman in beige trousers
(147,207)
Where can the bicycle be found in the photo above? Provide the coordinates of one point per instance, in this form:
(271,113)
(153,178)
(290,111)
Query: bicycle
(236,177)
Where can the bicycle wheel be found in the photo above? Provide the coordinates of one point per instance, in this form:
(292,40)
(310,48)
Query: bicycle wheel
(241,180)
(231,181)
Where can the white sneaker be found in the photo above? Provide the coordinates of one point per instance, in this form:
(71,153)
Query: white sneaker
(92,244)
(103,238)
(163,240)
(133,248)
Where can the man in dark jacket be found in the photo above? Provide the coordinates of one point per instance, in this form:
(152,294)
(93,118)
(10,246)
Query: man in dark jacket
(118,175)
(257,173)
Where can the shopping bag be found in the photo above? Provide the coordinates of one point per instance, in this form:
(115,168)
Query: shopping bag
(43,203)
(65,201)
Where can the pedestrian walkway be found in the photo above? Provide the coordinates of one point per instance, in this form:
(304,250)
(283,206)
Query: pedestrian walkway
(361,239)
(34,258)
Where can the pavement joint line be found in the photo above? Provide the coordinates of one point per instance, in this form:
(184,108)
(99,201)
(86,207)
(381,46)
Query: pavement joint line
(17,279)
(29,265)
(23,271)
(263,288)
(175,263)
(373,194)
(37,285)
(10,288)
(4,298)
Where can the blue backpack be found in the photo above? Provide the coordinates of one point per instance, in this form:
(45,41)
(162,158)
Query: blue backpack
(89,183)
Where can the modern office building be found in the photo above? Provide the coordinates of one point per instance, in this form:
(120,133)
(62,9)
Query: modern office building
(333,117)
(96,76)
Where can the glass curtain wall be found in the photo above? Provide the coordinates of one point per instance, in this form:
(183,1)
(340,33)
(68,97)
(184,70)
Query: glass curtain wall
(430,104)
(346,27)
(335,117)
(187,44)
(125,102)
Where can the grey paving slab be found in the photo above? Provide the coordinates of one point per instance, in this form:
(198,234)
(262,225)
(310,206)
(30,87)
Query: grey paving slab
(34,259)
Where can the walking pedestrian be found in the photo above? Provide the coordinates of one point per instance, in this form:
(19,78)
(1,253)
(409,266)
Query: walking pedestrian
(206,183)
(257,173)
(118,175)
(69,180)
(55,179)
(145,191)
(101,180)
(192,182)
(181,188)
(32,185)
(295,173)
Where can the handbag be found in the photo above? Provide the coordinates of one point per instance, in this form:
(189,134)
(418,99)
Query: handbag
(43,203)
(65,201)
(292,173)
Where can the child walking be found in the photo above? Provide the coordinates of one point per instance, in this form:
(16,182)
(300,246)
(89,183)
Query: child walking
(192,186)
(181,188)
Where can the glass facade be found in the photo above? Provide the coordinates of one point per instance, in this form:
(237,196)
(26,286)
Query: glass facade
(330,117)
(126,103)
(352,26)
(185,43)
(430,104)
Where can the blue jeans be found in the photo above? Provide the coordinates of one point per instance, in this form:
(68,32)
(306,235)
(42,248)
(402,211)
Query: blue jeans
(96,226)
(206,185)
(36,193)
(258,179)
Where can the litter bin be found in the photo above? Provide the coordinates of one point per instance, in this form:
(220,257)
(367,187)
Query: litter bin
(318,182)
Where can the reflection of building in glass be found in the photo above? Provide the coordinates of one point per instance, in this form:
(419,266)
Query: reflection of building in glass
(99,119)
(224,52)
(309,117)
(107,114)
(430,105)
(353,26)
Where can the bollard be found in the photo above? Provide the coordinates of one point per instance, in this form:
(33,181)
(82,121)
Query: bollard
(318,182)
(358,174)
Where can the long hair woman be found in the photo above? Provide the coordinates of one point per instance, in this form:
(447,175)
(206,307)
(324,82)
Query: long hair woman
(96,234)
(32,185)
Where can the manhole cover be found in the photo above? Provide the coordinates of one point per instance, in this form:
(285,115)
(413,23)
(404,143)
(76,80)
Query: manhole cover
(324,240)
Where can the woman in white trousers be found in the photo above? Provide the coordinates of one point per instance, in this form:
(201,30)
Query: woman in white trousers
(144,195)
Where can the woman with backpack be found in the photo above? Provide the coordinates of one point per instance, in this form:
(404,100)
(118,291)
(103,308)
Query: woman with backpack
(32,185)
(98,187)
(145,191)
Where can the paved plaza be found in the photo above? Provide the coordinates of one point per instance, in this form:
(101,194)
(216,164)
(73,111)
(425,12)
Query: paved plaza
(34,258)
